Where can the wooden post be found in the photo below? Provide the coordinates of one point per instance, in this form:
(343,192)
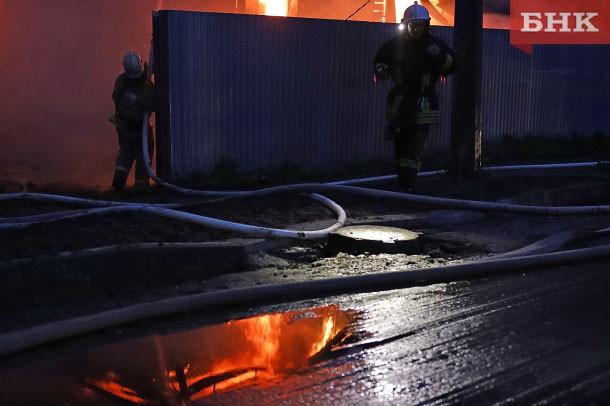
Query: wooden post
(465,144)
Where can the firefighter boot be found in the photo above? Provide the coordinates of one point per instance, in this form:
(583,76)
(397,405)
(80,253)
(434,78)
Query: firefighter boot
(120,178)
(406,178)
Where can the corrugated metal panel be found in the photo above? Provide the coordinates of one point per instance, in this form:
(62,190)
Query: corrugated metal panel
(440,133)
(561,89)
(264,91)
(505,88)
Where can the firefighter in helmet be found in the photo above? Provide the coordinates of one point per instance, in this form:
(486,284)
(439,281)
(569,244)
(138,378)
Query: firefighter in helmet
(133,95)
(414,60)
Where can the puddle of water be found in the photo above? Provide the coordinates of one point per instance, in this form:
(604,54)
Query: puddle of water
(187,365)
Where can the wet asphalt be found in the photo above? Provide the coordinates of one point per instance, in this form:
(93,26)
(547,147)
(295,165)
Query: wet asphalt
(539,336)
(533,337)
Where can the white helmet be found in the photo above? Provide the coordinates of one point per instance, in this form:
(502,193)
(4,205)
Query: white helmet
(132,64)
(416,13)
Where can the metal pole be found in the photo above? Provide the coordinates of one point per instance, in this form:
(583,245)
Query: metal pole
(465,144)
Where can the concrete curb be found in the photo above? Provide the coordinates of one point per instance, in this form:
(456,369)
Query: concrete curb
(103,269)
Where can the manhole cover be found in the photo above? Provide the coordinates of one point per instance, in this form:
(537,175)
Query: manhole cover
(374,240)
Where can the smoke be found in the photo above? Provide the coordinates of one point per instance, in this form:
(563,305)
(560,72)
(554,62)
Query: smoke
(496,7)
(59,60)
(58,63)
(495,12)
(499,21)
(336,9)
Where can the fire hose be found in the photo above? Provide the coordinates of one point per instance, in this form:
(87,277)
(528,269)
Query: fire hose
(516,260)
(20,340)
(168,211)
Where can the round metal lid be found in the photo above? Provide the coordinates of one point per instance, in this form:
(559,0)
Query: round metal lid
(374,240)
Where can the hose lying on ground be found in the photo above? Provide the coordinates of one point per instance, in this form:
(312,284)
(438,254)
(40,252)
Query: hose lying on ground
(24,339)
(554,242)
(19,340)
(426,201)
(11,224)
(309,188)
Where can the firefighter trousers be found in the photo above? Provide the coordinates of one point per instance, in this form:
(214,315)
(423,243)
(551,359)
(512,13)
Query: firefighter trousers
(130,150)
(409,141)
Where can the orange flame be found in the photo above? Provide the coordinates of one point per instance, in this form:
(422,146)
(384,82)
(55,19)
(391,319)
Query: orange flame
(274,343)
(328,333)
(275,7)
(225,356)
(111,385)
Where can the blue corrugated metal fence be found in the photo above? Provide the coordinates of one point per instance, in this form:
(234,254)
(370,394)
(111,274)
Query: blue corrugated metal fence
(264,91)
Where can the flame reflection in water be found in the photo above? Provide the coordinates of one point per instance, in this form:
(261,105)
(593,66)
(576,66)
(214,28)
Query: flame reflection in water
(187,365)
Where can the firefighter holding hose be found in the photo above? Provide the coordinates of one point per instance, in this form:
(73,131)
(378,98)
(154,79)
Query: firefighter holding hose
(133,95)
(414,60)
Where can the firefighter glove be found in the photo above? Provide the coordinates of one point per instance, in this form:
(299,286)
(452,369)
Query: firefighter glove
(382,71)
(434,50)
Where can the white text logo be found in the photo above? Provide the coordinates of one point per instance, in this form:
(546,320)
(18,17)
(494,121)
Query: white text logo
(558,22)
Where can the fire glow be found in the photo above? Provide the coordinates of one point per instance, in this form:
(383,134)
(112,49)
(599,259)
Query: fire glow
(200,362)
(275,7)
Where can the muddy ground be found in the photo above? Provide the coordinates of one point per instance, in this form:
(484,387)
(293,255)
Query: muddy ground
(449,236)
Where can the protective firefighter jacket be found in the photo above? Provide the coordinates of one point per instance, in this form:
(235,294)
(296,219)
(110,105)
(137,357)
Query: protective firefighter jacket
(133,97)
(415,66)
